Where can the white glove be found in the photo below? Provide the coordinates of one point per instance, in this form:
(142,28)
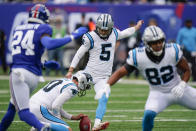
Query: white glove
(178,90)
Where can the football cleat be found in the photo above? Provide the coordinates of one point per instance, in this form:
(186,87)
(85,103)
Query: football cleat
(101,126)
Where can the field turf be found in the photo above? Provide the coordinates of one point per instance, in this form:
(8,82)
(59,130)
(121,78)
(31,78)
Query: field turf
(124,110)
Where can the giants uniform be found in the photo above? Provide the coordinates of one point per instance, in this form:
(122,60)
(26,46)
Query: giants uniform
(26,67)
(52,97)
(162,77)
(101,55)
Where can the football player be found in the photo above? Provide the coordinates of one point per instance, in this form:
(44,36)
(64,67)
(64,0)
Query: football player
(158,62)
(101,46)
(47,103)
(28,44)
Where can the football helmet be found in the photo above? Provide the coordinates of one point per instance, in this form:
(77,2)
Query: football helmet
(39,14)
(104,25)
(153,35)
(85,82)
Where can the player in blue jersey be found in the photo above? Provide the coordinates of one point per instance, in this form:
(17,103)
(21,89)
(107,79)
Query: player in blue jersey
(28,44)
(158,62)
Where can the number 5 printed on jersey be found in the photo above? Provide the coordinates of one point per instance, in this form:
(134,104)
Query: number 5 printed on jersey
(105,54)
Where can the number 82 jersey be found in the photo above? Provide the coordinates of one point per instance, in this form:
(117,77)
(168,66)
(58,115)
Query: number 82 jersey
(163,75)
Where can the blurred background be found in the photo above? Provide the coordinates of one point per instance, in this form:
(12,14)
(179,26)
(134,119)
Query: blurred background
(173,16)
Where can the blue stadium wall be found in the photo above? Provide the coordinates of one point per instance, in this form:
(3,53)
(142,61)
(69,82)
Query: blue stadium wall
(169,17)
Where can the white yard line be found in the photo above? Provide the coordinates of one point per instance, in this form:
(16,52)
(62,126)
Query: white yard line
(123,81)
(161,120)
(131,110)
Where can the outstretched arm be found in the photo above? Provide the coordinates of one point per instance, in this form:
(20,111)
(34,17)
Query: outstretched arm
(79,54)
(51,43)
(129,31)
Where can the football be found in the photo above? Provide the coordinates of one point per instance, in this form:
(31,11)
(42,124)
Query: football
(85,124)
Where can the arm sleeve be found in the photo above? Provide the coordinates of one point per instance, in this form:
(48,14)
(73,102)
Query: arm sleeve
(60,100)
(81,51)
(125,33)
(129,68)
(50,43)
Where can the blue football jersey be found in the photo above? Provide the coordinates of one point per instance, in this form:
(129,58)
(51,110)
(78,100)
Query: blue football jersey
(27,48)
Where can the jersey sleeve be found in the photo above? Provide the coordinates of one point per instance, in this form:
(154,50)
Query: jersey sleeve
(178,52)
(87,41)
(131,59)
(44,29)
(72,90)
(126,33)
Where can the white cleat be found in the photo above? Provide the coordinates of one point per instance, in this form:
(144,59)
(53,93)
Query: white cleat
(101,126)
(46,127)
(33,129)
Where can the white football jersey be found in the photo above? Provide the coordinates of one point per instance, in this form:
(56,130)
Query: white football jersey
(161,76)
(101,53)
(47,95)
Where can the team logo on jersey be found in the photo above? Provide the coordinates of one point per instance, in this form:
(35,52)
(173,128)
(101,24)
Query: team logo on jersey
(74,92)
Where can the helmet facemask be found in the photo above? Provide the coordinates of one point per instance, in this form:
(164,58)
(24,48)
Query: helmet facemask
(104,25)
(84,82)
(150,49)
(154,35)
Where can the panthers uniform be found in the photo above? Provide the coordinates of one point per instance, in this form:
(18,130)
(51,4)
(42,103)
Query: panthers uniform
(101,55)
(52,97)
(162,77)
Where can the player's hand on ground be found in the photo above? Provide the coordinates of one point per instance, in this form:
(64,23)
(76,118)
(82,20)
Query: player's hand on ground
(139,24)
(69,75)
(78,117)
(178,90)
(79,32)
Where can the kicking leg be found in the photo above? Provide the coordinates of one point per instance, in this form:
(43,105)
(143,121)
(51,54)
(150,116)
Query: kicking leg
(101,109)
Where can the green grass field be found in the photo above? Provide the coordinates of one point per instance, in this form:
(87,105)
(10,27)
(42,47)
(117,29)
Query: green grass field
(124,110)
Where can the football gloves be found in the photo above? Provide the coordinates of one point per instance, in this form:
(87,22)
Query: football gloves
(79,32)
(178,90)
(51,64)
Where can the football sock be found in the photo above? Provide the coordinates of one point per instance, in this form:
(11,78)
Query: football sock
(8,118)
(148,120)
(29,118)
(102,105)
(56,127)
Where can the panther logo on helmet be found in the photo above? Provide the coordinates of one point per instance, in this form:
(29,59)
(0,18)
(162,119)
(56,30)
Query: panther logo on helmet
(153,35)
(39,14)
(104,25)
(85,82)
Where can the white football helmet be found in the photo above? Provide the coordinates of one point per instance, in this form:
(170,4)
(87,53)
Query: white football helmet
(85,82)
(151,35)
(104,22)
